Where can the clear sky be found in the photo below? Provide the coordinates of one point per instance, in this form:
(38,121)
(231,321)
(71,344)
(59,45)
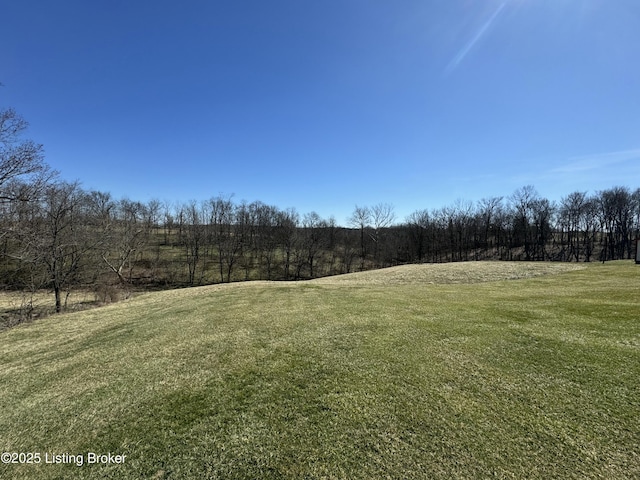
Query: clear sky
(322,105)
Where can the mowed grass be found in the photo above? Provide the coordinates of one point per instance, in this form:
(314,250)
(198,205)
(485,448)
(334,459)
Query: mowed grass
(475,370)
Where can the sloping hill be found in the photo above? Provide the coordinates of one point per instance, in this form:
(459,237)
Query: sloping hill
(373,375)
(446,273)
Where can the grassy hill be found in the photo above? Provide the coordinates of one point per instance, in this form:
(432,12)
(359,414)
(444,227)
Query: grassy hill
(472,370)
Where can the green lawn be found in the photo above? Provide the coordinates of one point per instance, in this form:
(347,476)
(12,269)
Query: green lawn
(475,370)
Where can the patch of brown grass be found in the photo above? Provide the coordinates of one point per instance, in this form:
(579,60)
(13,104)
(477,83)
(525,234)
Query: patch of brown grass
(450,273)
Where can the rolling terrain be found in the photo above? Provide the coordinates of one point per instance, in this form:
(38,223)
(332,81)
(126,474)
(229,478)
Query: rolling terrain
(466,370)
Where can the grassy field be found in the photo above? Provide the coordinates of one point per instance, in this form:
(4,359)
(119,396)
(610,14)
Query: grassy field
(474,370)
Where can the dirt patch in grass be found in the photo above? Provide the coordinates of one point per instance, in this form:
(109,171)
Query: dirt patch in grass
(450,273)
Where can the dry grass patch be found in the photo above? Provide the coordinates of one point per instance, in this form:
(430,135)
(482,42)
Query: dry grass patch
(19,307)
(42,298)
(451,273)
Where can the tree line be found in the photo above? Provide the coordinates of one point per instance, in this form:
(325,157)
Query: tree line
(58,236)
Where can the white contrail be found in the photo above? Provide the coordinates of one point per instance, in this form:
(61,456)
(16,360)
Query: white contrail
(463,53)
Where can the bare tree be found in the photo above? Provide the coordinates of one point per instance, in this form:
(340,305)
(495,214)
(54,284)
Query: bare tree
(193,237)
(490,210)
(571,218)
(21,256)
(23,175)
(361,219)
(460,224)
(229,246)
(287,234)
(616,213)
(382,216)
(522,203)
(126,233)
(266,243)
(60,237)
(313,239)
(23,172)
(348,249)
(635,202)
(418,222)
(438,237)
(246,220)
(331,239)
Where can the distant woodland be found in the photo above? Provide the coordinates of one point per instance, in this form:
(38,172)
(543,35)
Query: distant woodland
(58,237)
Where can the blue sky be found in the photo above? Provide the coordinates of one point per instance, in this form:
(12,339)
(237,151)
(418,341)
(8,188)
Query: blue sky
(325,105)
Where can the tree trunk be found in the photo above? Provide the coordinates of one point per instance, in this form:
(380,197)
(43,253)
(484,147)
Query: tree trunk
(56,291)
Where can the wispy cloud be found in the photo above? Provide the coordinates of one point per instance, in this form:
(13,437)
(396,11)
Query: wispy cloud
(465,50)
(597,161)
